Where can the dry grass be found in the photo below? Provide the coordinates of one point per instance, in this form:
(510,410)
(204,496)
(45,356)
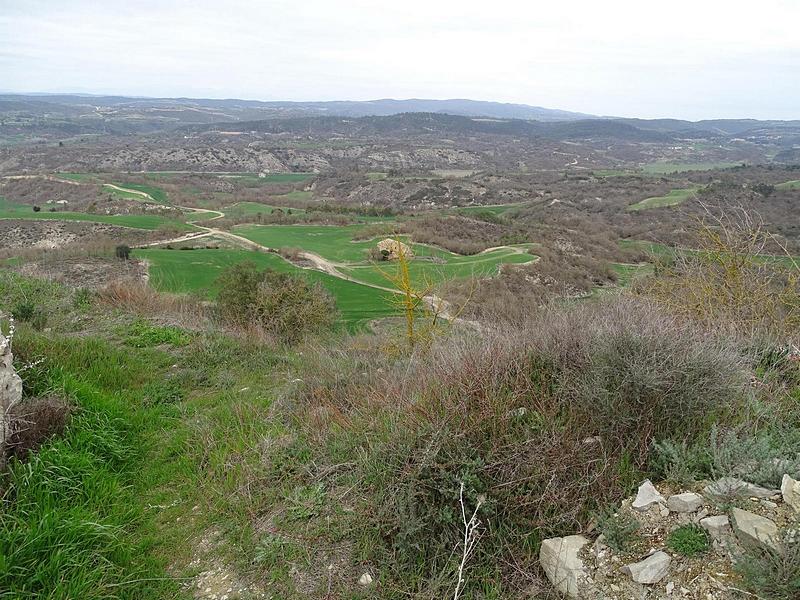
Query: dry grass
(547,420)
(137,297)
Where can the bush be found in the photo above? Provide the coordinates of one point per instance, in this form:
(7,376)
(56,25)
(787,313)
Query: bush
(774,575)
(284,305)
(688,540)
(24,311)
(123,252)
(548,421)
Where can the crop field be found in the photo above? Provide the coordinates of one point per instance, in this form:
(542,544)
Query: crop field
(155,193)
(673,198)
(663,168)
(18,211)
(425,272)
(269,177)
(430,265)
(253,208)
(195,271)
(789,185)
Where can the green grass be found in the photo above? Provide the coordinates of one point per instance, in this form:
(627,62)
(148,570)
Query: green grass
(294,195)
(611,173)
(254,208)
(157,194)
(75,525)
(663,168)
(195,271)
(673,198)
(789,185)
(81,177)
(431,265)
(689,540)
(151,222)
(253,178)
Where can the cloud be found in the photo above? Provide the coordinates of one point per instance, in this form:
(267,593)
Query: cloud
(686,59)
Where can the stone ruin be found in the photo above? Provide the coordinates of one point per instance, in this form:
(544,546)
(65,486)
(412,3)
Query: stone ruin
(391,249)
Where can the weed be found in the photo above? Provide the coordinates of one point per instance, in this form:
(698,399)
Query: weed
(305,502)
(688,540)
(774,574)
(621,530)
(141,334)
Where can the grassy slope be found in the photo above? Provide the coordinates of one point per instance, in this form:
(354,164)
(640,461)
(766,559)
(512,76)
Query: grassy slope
(673,198)
(153,460)
(155,193)
(789,185)
(254,208)
(662,168)
(18,211)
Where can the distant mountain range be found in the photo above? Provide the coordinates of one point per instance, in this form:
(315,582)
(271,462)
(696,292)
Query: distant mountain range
(77,114)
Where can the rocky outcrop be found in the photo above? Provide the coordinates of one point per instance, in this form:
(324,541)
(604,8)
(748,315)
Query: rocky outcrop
(790,490)
(651,560)
(650,570)
(560,560)
(754,530)
(10,392)
(647,496)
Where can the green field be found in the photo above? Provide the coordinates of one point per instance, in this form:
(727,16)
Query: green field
(18,211)
(789,185)
(431,265)
(195,271)
(425,272)
(663,168)
(155,193)
(674,197)
(269,178)
(254,208)
(76,176)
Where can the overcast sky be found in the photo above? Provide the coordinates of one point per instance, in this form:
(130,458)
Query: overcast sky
(689,59)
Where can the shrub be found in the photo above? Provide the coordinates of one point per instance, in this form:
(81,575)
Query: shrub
(287,306)
(548,421)
(35,421)
(24,311)
(123,252)
(620,529)
(688,540)
(774,575)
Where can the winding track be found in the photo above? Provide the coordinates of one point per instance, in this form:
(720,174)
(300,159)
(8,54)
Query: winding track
(318,262)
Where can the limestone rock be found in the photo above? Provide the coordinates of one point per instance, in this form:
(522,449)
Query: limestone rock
(718,528)
(650,570)
(790,489)
(753,529)
(10,391)
(562,565)
(730,487)
(685,503)
(391,249)
(647,496)
(365,579)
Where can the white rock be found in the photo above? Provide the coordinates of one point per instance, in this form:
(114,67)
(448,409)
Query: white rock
(650,570)
(670,587)
(365,579)
(562,565)
(685,503)
(753,529)
(718,528)
(647,496)
(790,490)
(730,487)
